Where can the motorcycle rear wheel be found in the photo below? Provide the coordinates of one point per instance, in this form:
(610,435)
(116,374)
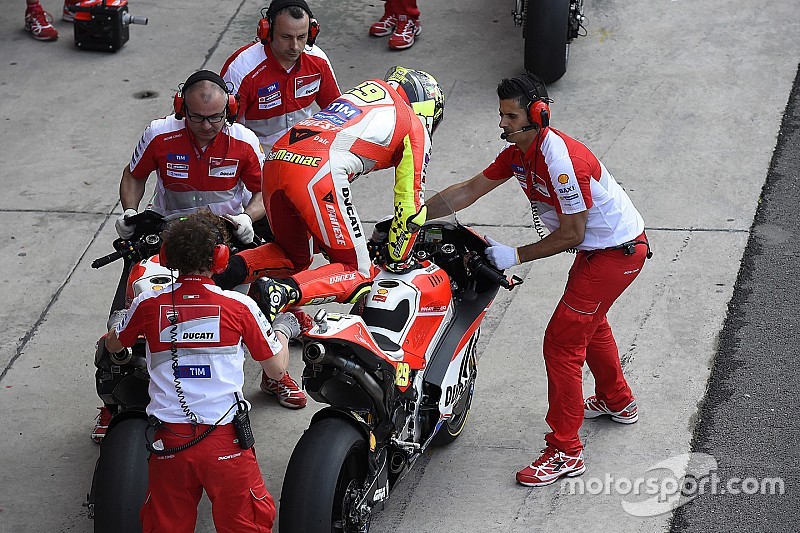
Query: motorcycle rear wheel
(327,469)
(545,31)
(121,478)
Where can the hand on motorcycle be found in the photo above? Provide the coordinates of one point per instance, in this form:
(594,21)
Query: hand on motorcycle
(402,231)
(500,255)
(243,227)
(125,230)
(287,324)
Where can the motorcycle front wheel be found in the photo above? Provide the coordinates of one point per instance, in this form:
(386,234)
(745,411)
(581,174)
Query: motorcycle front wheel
(545,31)
(324,478)
(121,478)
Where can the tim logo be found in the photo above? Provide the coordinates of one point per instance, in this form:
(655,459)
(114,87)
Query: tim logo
(338,112)
(178,158)
(193,324)
(193,371)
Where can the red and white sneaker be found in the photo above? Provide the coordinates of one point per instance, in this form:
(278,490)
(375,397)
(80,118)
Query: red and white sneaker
(288,393)
(66,14)
(102,420)
(384,26)
(39,23)
(404,34)
(593,407)
(551,465)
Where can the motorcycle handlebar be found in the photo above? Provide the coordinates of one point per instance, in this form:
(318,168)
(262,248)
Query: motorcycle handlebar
(106,259)
(486,270)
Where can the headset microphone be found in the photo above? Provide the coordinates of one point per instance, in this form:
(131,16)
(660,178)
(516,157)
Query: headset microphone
(529,127)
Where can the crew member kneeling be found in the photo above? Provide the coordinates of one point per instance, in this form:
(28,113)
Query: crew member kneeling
(195,333)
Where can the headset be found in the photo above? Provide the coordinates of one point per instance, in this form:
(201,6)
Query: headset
(231,108)
(538,102)
(219,257)
(267,21)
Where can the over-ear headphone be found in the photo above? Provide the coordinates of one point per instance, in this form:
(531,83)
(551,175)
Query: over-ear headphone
(267,20)
(231,108)
(219,256)
(538,102)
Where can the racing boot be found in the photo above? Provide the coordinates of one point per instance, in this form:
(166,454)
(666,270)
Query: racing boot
(273,296)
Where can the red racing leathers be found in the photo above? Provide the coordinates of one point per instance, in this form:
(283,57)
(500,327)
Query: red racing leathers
(306,186)
(560,175)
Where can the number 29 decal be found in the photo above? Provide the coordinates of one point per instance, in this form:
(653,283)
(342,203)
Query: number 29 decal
(402,374)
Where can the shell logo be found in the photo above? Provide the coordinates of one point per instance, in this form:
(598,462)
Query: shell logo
(382,291)
(563,178)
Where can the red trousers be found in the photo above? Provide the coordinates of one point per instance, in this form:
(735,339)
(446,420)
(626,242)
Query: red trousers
(230,476)
(579,332)
(402,7)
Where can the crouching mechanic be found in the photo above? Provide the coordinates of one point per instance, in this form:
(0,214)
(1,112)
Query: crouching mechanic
(376,125)
(195,333)
(584,208)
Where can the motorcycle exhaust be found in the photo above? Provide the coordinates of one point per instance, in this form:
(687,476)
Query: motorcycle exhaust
(315,353)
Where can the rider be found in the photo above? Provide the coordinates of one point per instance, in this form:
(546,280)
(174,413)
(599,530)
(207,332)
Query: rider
(376,125)
(219,324)
(584,208)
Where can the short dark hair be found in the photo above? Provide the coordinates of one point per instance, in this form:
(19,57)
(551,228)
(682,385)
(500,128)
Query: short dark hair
(188,242)
(518,89)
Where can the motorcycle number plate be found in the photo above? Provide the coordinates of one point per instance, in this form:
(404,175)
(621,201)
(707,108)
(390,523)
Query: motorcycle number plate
(402,374)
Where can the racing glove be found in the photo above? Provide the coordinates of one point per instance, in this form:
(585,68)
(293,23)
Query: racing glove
(402,232)
(243,227)
(125,230)
(500,255)
(287,324)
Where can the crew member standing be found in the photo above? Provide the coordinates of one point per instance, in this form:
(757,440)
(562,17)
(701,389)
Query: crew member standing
(282,74)
(195,334)
(582,205)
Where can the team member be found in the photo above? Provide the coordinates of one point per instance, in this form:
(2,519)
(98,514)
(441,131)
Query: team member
(282,74)
(376,125)
(199,156)
(195,333)
(400,20)
(583,207)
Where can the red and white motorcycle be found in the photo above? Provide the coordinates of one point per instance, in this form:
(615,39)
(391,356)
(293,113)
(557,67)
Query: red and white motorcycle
(398,377)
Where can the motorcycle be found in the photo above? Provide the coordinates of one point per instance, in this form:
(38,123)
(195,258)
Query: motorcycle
(119,483)
(548,28)
(398,377)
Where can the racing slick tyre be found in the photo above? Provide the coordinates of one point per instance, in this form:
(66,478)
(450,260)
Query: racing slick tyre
(121,478)
(324,478)
(545,31)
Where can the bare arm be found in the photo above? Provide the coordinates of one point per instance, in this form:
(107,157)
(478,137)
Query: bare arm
(460,195)
(131,190)
(569,234)
(255,209)
(275,367)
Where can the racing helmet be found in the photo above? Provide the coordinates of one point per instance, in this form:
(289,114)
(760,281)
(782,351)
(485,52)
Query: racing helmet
(421,91)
